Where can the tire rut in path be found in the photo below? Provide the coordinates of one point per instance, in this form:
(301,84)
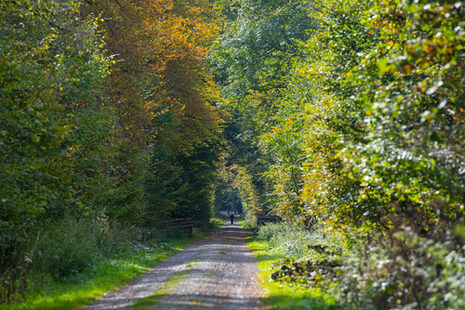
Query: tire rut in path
(218,272)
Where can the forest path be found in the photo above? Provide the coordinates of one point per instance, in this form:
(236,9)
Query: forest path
(218,272)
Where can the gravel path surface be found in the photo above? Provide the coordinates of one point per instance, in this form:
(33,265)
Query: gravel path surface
(218,272)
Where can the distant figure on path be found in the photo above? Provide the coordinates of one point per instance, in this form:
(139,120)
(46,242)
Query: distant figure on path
(227,211)
(232,218)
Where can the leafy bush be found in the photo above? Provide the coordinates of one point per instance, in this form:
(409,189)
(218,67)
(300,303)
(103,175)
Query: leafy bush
(66,248)
(307,272)
(311,257)
(70,246)
(118,239)
(292,241)
(250,221)
(406,267)
(271,230)
(298,242)
(405,270)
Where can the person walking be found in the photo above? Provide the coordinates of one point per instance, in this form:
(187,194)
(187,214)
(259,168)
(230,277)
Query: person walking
(231,217)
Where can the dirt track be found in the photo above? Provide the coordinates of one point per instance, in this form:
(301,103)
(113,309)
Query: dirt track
(215,273)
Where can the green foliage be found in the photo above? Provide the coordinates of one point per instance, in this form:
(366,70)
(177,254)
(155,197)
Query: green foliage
(295,242)
(291,241)
(256,50)
(365,114)
(286,295)
(181,185)
(56,130)
(348,114)
(79,289)
(252,61)
(79,129)
(415,111)
(239,171)
(66,248)
(404,270)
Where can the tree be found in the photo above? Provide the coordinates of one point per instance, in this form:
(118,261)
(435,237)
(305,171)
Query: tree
(253,61)
(56,129)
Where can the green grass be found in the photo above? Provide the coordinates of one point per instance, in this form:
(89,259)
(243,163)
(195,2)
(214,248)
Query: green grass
(104,276)
(281,295)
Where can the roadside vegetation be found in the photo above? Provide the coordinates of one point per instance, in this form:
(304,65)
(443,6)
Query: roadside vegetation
(319,269)
(281,294)
(76,277)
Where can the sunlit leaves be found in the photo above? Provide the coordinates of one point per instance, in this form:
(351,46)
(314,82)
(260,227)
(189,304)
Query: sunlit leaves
(186,126)
(56,130)
(376,89)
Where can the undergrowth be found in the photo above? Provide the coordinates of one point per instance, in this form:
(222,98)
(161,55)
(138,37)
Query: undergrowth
(272,246)
(401,268)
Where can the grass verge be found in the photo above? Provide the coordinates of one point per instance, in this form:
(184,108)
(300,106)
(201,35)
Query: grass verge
(106,275)
(280,295)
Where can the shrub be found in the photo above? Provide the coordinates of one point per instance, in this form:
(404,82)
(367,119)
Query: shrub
(297,242)
(271,230)
(307,272)
(311,257)
(291,241)
(115,238)
(70,246)
(67,247)
(405,270)
(250,220)
(405,267)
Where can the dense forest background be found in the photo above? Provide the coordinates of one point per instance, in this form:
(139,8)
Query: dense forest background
(347,115)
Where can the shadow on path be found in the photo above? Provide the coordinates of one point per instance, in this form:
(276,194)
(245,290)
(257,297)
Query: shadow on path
(218,272)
